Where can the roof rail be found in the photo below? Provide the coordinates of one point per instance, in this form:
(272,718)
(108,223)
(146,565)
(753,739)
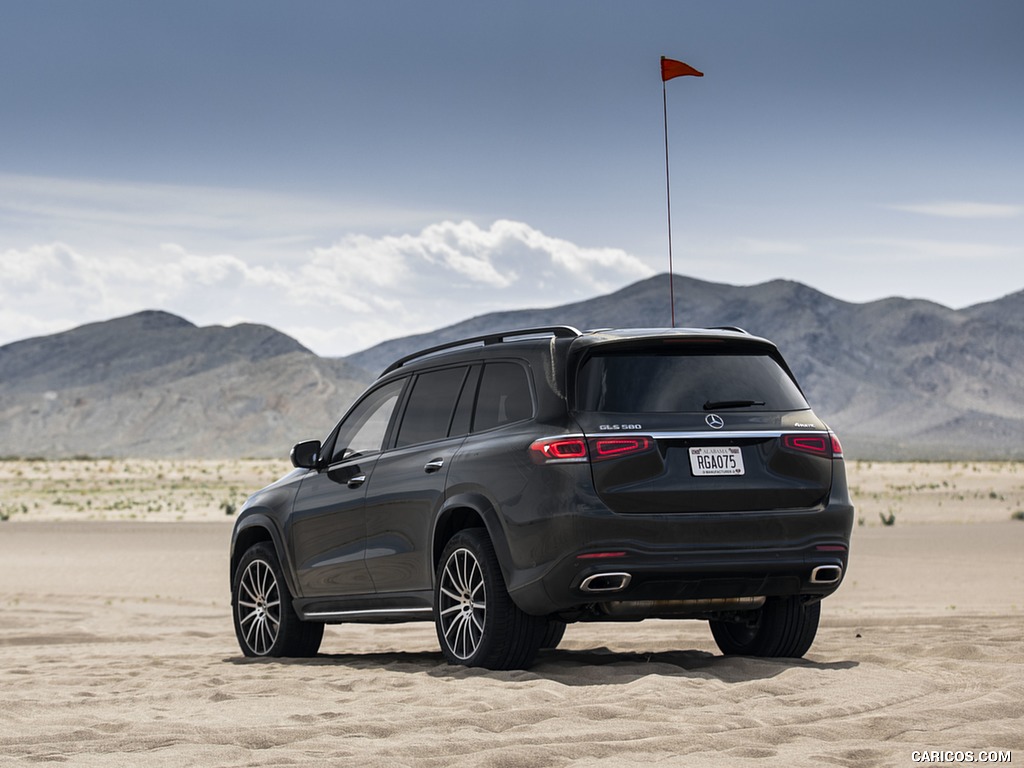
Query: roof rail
(558,331)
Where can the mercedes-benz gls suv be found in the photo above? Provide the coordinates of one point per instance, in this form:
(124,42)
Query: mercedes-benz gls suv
(506,485)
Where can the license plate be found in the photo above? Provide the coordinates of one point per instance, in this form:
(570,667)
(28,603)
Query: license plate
(716,460)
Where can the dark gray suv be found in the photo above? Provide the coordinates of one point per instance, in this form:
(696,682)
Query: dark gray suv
(505,485)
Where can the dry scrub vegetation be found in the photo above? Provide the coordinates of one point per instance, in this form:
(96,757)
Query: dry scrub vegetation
(931,492)
(131,489)
(907,493)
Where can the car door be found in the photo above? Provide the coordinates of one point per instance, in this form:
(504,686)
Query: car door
(328,521)
(408,483)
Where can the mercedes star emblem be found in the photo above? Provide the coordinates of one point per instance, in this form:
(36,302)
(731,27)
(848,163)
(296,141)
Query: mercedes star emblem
(714,421)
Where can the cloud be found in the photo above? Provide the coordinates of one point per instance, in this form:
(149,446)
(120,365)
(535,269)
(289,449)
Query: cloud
(887,250)
(126,213)
(963,210)
(336,299)
(392,285)
(758,247)
(508,256)
(81,250)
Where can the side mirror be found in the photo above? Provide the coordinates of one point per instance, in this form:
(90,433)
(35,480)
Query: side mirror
(305,455)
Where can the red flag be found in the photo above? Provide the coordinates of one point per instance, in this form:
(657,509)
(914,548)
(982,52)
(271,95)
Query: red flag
(671,68)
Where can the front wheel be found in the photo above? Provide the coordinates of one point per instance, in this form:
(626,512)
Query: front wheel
(265,622)
(477,623)
(784,627)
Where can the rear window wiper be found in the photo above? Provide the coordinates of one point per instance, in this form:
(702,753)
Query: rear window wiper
(713,405)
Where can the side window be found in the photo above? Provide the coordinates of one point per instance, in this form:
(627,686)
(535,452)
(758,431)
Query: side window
(504,396)
(428,414)
(463,417)
(364,429)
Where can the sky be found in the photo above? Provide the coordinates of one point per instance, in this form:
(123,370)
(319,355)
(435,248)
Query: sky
(349,172)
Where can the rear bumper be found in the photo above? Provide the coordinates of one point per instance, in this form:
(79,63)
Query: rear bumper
(695,558)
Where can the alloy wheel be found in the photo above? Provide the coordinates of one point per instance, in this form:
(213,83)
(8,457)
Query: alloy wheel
(463,603)
(259,607)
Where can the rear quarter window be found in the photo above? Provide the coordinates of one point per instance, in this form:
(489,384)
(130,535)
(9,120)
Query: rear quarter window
(684,381)
(504,396)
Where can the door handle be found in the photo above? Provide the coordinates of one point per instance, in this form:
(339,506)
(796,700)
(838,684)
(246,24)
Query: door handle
(355,482)
(433,466)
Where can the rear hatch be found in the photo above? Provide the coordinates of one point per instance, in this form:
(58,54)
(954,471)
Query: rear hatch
(691,425)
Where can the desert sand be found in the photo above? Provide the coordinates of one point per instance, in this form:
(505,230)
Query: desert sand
(116,646)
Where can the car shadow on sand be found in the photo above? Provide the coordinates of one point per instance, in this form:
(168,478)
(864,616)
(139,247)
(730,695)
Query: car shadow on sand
(594,666)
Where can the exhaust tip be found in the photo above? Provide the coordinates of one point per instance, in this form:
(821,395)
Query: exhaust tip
(606,582)
(826,574)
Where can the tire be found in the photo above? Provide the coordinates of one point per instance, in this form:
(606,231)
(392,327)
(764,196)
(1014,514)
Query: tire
(784,627)
(265,621)
(552,635)
(477,623)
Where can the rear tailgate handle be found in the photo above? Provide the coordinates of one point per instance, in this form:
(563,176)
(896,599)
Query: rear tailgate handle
(433,466)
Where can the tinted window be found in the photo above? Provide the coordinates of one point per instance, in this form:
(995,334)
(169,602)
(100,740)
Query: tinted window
(429,411)
(686,381)
(463,417)
(504,396)
(364,429)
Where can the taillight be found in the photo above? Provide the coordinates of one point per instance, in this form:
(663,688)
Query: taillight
(819,445)
(578,449)
(559,449)
(612,447)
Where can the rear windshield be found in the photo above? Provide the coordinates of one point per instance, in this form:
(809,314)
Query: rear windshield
(686,380)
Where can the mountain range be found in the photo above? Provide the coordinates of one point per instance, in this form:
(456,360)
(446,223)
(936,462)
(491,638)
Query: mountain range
(896,378)
(155,385)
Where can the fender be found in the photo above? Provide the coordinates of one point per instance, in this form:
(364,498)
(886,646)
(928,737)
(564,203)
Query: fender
(254,518)
(484,508)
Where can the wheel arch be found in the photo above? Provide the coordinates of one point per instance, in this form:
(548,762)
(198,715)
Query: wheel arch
(253,529)
(469,511)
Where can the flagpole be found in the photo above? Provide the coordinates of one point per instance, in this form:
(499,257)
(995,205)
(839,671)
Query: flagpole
(671,68)
(668,203)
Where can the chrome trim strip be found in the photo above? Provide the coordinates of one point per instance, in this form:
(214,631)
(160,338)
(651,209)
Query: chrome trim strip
(708,433)
(365,612)
(719,434)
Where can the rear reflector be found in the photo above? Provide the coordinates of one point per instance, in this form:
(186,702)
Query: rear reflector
(599,555)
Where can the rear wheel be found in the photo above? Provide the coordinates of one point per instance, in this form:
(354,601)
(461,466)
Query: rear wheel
(553,634)
(782,627)
(265,621)
(477,623)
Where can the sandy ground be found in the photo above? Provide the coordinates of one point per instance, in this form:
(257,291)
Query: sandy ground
(116,648)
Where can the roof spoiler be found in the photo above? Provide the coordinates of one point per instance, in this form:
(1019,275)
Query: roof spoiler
(557,331)
(729,328)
